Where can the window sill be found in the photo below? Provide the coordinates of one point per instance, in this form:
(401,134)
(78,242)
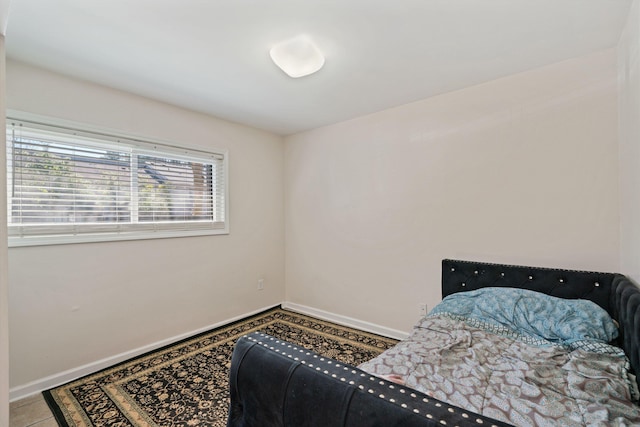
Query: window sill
(15,241)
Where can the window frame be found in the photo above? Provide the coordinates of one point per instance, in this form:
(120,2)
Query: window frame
(129,231)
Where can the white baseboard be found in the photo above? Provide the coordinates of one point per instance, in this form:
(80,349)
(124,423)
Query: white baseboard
(52,381)
(346,321)
(46,383)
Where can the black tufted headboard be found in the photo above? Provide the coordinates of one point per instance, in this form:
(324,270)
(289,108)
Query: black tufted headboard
(613,292)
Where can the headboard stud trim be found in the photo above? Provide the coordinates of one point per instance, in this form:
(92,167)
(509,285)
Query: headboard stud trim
(458,276)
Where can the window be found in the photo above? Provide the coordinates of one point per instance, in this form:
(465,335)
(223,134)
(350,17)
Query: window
(67,185)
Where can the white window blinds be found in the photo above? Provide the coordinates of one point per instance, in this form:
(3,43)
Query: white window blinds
(68,182)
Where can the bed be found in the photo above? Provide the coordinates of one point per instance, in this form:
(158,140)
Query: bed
(580,371)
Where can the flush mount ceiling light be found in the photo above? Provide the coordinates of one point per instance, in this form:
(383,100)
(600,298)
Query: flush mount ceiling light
(298,57)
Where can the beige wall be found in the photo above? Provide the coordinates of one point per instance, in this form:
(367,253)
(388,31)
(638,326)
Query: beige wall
(73,305)
(522,170)
(629,101)
(4,289)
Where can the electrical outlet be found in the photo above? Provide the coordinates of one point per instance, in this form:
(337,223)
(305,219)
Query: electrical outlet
(423,309)
(260,284)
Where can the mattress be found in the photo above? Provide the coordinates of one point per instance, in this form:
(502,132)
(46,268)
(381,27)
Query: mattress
(480,361)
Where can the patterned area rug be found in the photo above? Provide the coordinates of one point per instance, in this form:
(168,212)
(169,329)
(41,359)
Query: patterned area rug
(186,384)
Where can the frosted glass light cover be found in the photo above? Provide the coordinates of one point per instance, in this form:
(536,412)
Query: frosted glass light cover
(297,57)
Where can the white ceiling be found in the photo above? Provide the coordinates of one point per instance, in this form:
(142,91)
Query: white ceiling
(213,56)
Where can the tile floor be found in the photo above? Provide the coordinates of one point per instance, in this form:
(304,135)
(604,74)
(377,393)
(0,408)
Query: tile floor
(31,411)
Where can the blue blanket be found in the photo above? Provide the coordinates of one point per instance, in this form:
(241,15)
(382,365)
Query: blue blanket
(533,314)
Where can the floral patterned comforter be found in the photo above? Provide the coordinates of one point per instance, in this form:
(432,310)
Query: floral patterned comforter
(510,380)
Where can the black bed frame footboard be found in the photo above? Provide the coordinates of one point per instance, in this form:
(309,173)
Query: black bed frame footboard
(276,384)
(614,292)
